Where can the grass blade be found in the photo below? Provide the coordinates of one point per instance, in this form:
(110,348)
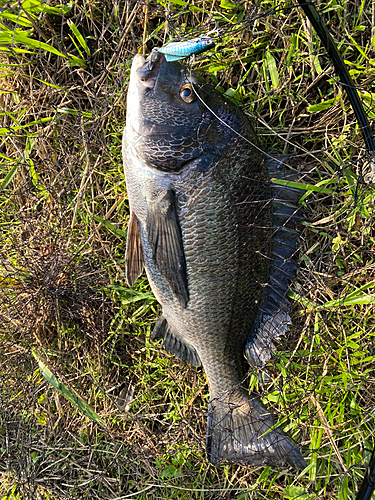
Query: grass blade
(76,400)
(11,37)
(79,37)
(272,70)
(115,230)
(8,178)
(304,187)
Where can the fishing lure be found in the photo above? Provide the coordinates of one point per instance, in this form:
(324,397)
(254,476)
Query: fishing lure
(180,50)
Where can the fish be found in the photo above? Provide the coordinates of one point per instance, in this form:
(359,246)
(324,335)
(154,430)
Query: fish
(176,51)
(217,240)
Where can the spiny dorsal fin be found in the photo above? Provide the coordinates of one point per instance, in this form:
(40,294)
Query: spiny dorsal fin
(134,260)
(164,235)
(172,343)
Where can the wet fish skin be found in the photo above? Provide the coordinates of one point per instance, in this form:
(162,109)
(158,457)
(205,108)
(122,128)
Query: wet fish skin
(201,224)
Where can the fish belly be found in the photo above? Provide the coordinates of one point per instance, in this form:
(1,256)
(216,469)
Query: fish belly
(227,266)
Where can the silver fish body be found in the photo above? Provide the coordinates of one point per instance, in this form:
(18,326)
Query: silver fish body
(215,245)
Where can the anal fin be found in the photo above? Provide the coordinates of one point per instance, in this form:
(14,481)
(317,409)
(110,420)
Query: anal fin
(173,343)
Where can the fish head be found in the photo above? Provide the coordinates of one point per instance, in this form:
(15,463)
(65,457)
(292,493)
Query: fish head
(173,115)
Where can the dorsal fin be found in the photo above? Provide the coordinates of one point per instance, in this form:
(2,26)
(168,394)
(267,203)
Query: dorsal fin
(274,319)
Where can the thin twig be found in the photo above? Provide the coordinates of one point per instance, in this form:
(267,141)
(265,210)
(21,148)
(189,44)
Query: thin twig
(327,428)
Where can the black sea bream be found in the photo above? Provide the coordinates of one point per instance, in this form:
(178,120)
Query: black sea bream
(214,237)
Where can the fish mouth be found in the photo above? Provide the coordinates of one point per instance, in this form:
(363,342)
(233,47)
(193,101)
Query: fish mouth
(147,70)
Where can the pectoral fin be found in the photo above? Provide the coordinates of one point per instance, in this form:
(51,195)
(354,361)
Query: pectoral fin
(165,238)
(134,255)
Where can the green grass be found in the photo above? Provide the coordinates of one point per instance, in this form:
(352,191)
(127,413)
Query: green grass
(63,296)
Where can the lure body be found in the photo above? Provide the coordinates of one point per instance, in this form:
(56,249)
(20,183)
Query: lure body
(176,51)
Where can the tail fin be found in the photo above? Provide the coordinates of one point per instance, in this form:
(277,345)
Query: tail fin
(241,433)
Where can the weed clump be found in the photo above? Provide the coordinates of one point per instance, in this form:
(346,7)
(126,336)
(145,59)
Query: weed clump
(45,287)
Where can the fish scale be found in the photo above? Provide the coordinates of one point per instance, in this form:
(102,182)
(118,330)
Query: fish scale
(216,239)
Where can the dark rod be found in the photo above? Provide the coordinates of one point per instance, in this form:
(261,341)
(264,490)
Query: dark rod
(322,31)
(368,484)
(367,487)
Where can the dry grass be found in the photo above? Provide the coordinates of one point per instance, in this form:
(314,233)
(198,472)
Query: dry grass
(62,288)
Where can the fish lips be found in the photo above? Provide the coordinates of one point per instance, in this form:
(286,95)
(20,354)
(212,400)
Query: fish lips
(147,70)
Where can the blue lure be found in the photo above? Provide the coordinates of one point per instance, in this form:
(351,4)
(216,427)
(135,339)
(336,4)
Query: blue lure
(180,50)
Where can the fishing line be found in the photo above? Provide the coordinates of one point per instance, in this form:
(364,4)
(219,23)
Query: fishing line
(344,80)
(237,26)
(245,138)
(363,127)
(368,484)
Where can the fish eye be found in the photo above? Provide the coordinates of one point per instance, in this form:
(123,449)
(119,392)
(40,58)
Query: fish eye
(187,93)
